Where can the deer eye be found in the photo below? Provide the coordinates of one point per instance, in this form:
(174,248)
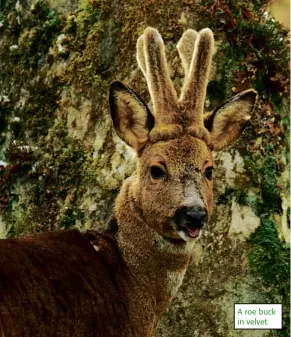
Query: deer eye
(208,173)
(157,172)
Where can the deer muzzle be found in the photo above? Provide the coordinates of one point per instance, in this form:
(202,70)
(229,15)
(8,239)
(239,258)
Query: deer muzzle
(190,220)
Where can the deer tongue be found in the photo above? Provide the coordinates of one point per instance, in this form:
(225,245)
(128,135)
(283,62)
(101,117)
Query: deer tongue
(193,232)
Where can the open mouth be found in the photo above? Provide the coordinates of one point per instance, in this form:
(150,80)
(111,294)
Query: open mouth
(192,231)
(189,231)
(189,222)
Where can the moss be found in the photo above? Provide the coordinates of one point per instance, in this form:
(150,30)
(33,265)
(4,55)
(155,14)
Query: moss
(39,111)
(270,189)
(253,165)
(254,51)
(32,32)
(32,35)
(6,7)
(46,186)
(70,217)
(262,175)
(4,128)
(48,174)
(22,218)
(91,36)
(269,258)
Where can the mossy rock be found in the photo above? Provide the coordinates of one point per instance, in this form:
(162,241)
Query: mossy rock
(57,62)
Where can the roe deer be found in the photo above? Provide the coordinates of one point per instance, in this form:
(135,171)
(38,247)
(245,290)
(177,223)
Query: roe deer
(119,283)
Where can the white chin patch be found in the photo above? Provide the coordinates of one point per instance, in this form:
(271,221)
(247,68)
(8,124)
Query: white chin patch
(184,236)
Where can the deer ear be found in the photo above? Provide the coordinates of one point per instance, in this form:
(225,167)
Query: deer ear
(132,120)
(227,122)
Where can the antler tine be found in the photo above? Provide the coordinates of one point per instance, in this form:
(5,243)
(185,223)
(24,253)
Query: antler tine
(195,85)
(186,48)
(153,64)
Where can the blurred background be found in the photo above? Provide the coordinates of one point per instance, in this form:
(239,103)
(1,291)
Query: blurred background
(280,9)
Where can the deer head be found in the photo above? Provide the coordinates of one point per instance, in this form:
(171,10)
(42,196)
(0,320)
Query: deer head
(172,187)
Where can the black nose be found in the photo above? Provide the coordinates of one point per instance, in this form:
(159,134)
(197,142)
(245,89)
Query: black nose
(191,216)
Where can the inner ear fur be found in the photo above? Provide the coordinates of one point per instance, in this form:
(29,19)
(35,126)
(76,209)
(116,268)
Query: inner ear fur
(228,121)
(132,120)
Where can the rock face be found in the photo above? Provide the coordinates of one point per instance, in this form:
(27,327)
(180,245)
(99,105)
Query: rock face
(61,165)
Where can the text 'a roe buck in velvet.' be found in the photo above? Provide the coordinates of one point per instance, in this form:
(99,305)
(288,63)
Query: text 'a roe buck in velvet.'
(118,283)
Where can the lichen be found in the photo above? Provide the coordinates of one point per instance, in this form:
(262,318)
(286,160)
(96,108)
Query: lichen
(243,221)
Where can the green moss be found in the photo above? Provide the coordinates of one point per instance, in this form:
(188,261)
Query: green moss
(32,35)
(51,176)
(22,218)
(43,188)
(262,174)
(91,38)
(254,51)
(269,259)
(253,164)
(87,17)
(58,164)
(31,31)
(270,189)
(70,217)
(269,256)
(6,7)
(39,110)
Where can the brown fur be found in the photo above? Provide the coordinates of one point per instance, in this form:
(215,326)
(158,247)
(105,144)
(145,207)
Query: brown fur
(186,48)
(163,94)
(228,122)
(119,283)
(50,286)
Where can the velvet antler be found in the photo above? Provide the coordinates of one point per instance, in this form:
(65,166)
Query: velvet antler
(152,61)
(194,89)
(174,117)
(186,48)
(195,50)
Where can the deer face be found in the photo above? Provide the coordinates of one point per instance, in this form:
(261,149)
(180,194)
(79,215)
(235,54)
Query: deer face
(175,186)
(173,189)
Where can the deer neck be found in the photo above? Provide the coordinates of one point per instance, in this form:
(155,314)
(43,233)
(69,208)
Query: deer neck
(157,264)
